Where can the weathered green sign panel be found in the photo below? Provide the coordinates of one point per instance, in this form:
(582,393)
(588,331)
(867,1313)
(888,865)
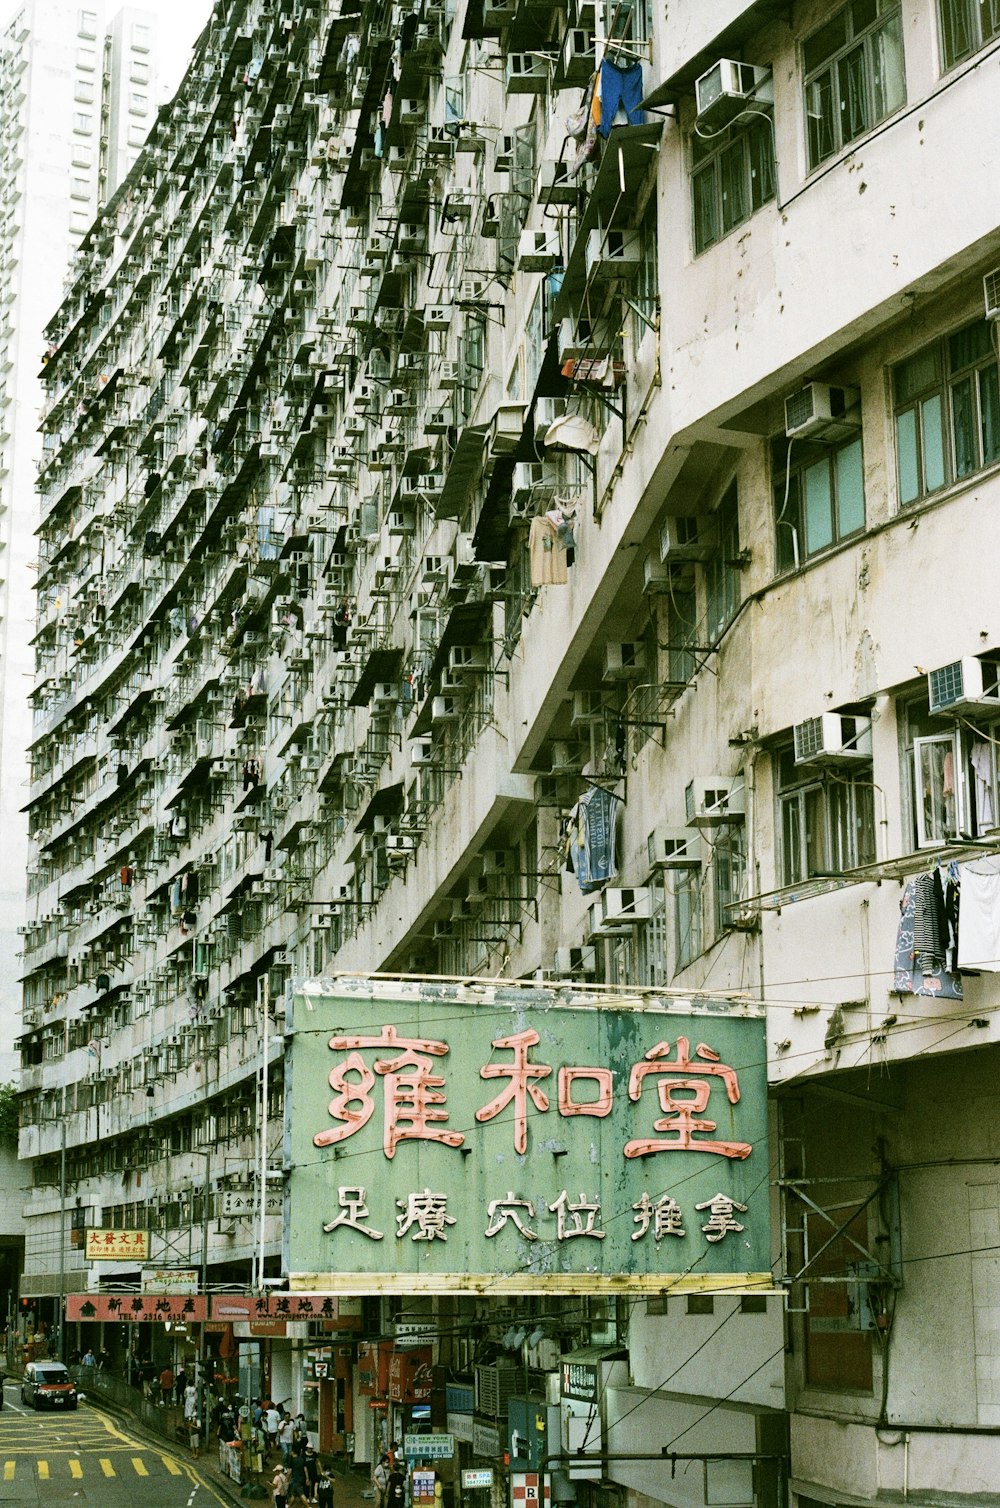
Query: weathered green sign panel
(446,1136)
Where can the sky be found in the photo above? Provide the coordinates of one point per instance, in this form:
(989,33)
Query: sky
(180,23)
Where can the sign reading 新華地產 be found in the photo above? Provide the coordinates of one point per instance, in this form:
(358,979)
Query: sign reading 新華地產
(490,1137)
(116,1245)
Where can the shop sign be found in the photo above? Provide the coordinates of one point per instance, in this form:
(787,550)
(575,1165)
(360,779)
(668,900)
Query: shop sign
(579,1380)
(485,1439)
(116,1245)
(243,1199)
(413,1335)
(526,1491)
(460,1425)
(477,1476)
(135,1310)
(285,1306)
(428,1447)
(262,1328)
(422,1487)
(411,1376)
(319,1363)
(169,1280)
(659,1114)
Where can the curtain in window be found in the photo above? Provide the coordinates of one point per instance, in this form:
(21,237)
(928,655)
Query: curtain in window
(853,95)
(956,29)
(888,79)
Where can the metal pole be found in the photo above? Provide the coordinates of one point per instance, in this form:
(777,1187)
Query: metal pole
(203,1389)
(60,1315)
(262,1172)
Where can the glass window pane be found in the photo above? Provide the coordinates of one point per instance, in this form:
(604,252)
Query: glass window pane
(956,30)
(963,421)
(989,413)
(888,80)
(917,374)
(853,95)
(935,768)
(932,438)
(968,346)
(989,19)
(817,861)
(820,119)
(732,183)
(706,230)
(788,529)
(907,458)
(791,840)
(864,822)
(818,506)
(760,148)
(850,489)
(825,42)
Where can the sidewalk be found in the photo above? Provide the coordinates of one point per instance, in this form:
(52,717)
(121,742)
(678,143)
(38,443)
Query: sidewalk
(352,1486)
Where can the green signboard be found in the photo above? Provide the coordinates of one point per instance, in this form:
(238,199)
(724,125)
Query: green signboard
(449,1136)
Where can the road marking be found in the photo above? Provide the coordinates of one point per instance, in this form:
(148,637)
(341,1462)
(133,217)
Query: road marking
(106,1466)
(43,1471)
(75,1469)
(140,1466)
(171,1466)
(8,1470)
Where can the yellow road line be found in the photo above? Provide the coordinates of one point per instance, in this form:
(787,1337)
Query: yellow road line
(106,1466)
(43,1471)
(140,1466)
(171,1466)
(8,1470)
(75,1469)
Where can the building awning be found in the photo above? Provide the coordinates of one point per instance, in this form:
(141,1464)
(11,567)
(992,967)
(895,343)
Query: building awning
(385,802)
(381,665)
(727,43)
(463,469)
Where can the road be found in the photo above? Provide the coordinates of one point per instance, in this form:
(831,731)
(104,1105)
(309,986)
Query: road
(86,1456)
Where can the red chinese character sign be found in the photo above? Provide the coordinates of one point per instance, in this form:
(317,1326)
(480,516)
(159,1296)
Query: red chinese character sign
(446,1136)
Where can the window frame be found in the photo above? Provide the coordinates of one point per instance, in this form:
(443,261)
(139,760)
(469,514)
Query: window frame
(789,491)
(741,138)
(934,403)
(974,18)
(827,73)
(722,569)
(976,803)
(686,892)
(809,796)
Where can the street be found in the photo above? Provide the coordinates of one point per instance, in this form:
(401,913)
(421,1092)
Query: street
(60,1457)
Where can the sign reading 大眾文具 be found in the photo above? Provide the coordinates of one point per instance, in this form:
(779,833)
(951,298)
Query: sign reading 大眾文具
(448,1135)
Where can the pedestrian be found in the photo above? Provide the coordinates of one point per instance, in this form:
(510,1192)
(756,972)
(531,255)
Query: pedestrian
(297,1481)
(166,1384)
(194,1434)
(286,1438)
(89,1360)
(272,1423)
(180,1383)
(279,1487)
(395,1495)
(190,1397)
(310,1464)
(380,1477)
(324,1488)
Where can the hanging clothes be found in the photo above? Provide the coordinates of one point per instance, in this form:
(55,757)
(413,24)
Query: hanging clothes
(582,126)
(926,958)
(547,556)
(593,838)
(979,938)
(621,87)
(981,760)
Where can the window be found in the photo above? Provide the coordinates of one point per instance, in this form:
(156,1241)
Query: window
(79,221)
(947,399)
(87,24)
(651,940)
(83,124)
(86,59)
(83,91)
(827,818)
(136,135)
(732,177)
(729,873)
(646,290)
(686,884)
(80,188)
(966,26)
(819,497)
(722,569)
(953,776)
(139,71)
(138,103)
(83,154)
(853,75)
(140,38)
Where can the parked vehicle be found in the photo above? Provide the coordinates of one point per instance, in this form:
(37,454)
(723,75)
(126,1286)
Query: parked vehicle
(47,1384)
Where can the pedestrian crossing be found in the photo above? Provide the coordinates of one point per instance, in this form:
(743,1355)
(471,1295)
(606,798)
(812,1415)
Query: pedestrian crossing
(90,1467)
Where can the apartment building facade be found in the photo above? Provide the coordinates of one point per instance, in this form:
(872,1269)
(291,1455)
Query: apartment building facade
(516,487)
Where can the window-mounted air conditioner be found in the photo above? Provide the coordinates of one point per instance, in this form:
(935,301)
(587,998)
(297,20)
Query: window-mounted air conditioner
(674,848)
(449,375)
(445,709)
(582,962)
(467,659)
(527,73)
(588,707)
(455,682)
(421,753)
(625,908)
(821,412)
(613,254)
(833,738)
(497,861)
(398,847)
(965,684)
(437,317)
(726,89)
(714,800)
(623,661)
(991,294)
(507,428)
(538,250)
(680,539)
(555,186)
(568,758)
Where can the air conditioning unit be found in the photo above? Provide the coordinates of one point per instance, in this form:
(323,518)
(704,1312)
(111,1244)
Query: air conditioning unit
(218,769)
(527,73)
(445,709)
(507,428)
(497,861)
(965,684)
(399,847)
(613,254)
(626,908)
(674,848)
(680,539)
(820,412)
(724,91)
(467,659)
(555,186)
(588,707)
(421,752)
(538,251)
(991,294)
(833,738)
(715,800)
(623,661)
(437,317)
(579,961)
(385,694)
(449,375)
